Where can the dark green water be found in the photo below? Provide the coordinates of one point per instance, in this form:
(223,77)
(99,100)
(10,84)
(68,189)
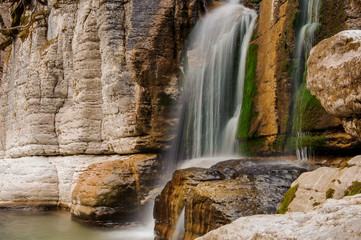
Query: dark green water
(59,226)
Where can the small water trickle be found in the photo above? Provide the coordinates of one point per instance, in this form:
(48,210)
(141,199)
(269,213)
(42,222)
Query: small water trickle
(309,19)
(178,233)
(213,83)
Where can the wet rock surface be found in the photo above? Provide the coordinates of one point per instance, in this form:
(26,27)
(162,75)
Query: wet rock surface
(216,196)
(336,219)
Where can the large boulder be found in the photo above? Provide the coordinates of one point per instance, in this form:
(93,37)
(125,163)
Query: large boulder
(217,196)
(336,219)
(334,77)
(115,190)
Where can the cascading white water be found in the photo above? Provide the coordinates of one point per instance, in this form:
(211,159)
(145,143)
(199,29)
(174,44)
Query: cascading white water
(213,83)
(305,41)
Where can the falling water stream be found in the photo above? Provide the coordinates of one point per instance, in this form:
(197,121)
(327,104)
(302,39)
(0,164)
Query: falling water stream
(212,100)
(309,20)
(213,83)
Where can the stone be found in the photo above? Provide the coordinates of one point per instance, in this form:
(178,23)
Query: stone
(336,219)
(333,76)
(315,187)
(80,183)
(218,195)
(115,190)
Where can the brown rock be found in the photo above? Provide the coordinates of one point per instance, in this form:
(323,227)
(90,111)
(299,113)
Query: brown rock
(115,190)
(218,195)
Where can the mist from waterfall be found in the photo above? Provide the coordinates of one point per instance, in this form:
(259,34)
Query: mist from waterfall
(213,83)
(309,18)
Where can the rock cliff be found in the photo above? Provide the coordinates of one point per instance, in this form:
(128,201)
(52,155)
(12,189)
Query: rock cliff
(85,87)
(94,77)
(271,98)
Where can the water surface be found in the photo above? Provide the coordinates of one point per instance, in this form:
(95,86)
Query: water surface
(58,225)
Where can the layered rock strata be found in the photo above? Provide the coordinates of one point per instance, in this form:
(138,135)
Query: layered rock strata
(336,219)
(83,89)
(92,187)
(216,196)
(95,77)
(334,75)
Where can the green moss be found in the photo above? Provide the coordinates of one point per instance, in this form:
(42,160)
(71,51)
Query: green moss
(287,199)
(332,18)
(354,189)
(314,141)
(249,92)
(251,146)
(315,204)
(329,193)
(279,143)
(307,108)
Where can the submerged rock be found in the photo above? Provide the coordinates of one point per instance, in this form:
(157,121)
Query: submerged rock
(334,77)
(336,219)
(216,196)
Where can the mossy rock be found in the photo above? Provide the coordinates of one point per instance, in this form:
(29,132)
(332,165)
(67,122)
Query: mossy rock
(354,189)
(329,193)
(287,199)
(249,92)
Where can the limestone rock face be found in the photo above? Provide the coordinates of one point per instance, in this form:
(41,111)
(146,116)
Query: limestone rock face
(28,181)
(334,77)
(336,219)
(216,196)
(93,187)
(95,77)
(275,36)
(114,190)
(315,187)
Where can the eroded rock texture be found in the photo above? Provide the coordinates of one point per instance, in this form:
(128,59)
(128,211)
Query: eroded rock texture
(83,89)
(93,187)
(315,187)
(336,219)
(216,196)
(334,77)
(95,77)
(115,190)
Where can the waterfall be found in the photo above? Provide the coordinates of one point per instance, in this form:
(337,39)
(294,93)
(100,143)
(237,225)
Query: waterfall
(213,83)
(305,40)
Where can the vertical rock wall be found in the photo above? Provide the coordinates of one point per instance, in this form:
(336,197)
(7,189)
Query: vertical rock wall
(83,88)
(95,77)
